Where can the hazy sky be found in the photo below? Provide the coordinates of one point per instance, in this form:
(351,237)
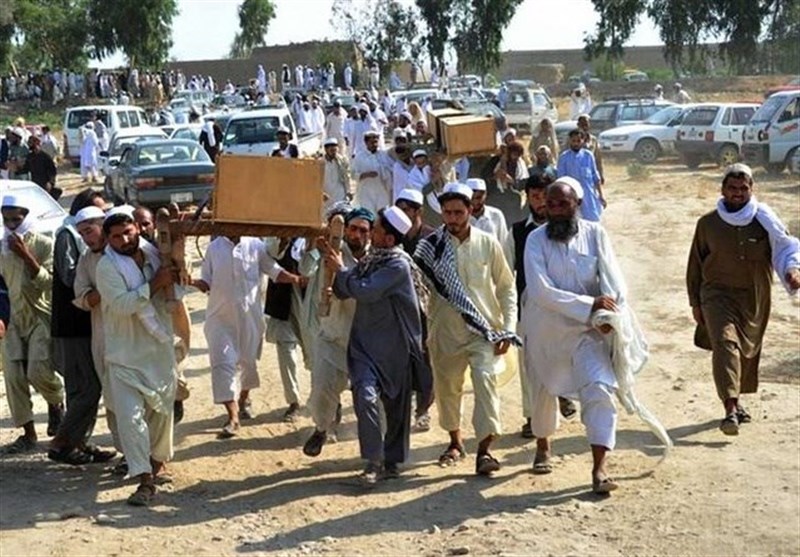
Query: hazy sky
(205,28)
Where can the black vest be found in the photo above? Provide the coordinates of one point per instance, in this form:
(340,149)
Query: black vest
(520,231)
(279,295)
(68,321)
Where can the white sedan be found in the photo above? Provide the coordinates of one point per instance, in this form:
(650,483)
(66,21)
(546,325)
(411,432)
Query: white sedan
(647,141)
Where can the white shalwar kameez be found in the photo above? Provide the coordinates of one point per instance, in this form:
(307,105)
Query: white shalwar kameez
(141,368)
(566,356)
(372,193)
(234,326)
(492,221)
(90,145)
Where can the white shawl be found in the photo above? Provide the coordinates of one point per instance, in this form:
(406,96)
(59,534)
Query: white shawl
(629,349)
(134,278)
(24,227)
(785,248)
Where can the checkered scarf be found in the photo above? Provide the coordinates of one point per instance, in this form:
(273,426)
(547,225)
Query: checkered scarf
(437,260)
(376,257)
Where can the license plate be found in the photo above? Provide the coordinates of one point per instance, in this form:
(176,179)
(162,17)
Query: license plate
(181,197)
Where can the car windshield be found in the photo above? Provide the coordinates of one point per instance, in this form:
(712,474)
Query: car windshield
(122,142)
(540,99)
(171,153)
(768,110)
(38,202)
(663,116)
(251,130)
(518,98)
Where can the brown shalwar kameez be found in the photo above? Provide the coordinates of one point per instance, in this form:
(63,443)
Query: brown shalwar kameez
(729,276)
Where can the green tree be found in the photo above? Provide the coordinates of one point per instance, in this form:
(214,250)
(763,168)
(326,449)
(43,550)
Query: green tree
(618,19)
(684,25)
(254,19)
(385,30)
(478,34)
(437,15)
(141,29)
(782,53)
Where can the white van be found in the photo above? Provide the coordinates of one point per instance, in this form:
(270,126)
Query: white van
(115,117)
(772,136)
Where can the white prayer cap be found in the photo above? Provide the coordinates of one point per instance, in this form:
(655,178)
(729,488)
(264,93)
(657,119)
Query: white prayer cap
(406,114)
(331,141)
(11,200)
(570,182)
(510,131)
(18,131)
(363,106)
(121,210)
(89,213)
(399,132)
(420,153)
(397,218)
(476,184)
(459,189)
(284,129)
(410,194)
(370,133)
(739,168)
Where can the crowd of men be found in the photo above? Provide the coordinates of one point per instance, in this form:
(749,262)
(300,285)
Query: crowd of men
(428,285)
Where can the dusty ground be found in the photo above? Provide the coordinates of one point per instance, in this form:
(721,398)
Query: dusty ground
(258,494)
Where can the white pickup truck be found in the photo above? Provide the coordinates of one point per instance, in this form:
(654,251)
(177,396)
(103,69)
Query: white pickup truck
(253,132)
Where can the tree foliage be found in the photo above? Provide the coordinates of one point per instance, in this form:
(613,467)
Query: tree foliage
(437,15)
(141,29)
(384,29)
(254,19)
(479,30)
(685,25)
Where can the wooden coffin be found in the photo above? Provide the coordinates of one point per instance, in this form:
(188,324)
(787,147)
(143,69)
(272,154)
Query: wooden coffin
(468,135)
(436,116)
(268,190)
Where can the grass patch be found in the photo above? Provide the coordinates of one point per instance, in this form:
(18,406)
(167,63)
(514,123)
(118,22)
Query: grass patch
(637,171)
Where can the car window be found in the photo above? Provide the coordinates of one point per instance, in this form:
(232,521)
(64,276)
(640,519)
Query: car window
(170,153)
(517,97)
(123,119)
(603,112)
(251,130)
(649,110)
(77,118)
(701,116)
(726,117)
(133,117)
(540,99)
(121,143)
(630,112)
(287,121)
(741,115)
(792,112)
(662,116)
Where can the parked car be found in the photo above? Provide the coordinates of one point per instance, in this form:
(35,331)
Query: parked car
(44,210)
(115,117)
(613,114)
(121,139)
(525,108)
(195,97)
(162,171)
(416,95)
(253,132)
(634,76)
(713,131)
(793,85)
(647,141)
(233,102)
(772,136)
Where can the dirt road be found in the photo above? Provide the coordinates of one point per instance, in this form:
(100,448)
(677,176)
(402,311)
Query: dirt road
(257,494)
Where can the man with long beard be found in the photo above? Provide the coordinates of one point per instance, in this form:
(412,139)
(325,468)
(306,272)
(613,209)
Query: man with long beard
(567,263)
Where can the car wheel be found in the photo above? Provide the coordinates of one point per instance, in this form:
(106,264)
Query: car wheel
(692,161)
(727,155)
(647,151)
